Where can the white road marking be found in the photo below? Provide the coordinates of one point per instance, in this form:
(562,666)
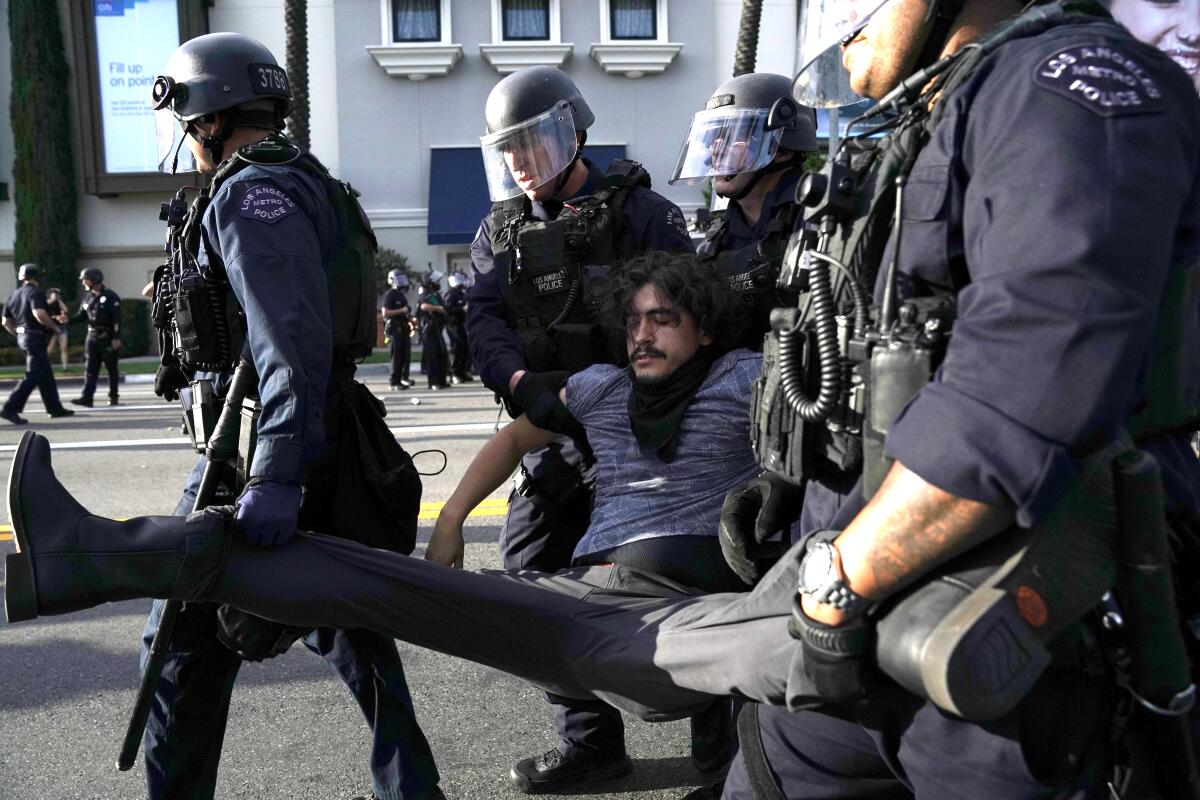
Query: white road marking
(182,441)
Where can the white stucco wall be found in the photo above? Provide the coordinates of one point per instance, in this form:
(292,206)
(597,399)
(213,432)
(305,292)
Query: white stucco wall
(376,131)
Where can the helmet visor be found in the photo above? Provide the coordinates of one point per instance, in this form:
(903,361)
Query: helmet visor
(530,154)
(726,141)
(169,133)
(823,81)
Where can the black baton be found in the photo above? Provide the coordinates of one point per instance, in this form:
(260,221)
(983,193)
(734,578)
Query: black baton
(222,446)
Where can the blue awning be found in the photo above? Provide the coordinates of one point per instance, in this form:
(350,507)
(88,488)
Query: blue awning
(458,196)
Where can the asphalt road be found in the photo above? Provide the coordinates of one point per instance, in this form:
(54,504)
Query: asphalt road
(67,683)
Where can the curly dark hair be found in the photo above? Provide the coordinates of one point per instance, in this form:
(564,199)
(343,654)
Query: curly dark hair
(693,286)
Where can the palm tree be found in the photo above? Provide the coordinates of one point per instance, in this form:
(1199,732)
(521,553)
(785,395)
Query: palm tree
(295,17)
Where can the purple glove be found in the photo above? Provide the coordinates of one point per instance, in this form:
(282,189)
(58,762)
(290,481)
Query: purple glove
(267,511)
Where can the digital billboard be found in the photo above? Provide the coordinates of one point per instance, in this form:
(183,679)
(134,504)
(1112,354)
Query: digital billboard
(134,39)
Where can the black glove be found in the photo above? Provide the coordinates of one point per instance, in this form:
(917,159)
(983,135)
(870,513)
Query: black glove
(168,381)
(537,395)
(836,660)
(754,513)
(254,638)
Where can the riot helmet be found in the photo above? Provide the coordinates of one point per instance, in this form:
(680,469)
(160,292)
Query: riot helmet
(211,73)
(398,279)
(456,280)
(533,117)
(741,128)
(29,270)
(434,278)
(91,274)
(825,25)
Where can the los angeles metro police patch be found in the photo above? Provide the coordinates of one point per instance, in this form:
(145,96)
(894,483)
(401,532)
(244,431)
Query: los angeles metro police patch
(1105,80)
(265,203)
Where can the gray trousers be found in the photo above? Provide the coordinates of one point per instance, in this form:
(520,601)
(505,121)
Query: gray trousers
(639,642)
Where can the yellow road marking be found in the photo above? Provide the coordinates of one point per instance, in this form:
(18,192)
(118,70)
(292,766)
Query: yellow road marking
(493,507)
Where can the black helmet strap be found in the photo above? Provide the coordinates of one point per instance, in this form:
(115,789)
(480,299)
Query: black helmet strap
(942,13)
(759,174)
(565,175)
(234,118)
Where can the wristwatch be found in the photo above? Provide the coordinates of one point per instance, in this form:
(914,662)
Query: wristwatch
(821,578)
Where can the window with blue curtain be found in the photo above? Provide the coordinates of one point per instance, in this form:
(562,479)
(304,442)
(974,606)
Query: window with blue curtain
(633,19)
(525,20)
(416,20)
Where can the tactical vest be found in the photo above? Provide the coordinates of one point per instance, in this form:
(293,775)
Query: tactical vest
(878,383)
(753,270)
(200,321)
(550,272)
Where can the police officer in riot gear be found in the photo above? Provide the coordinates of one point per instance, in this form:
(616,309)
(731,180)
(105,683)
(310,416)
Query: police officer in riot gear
(269,210)
(1009,148)
(101,307)
(396,312)
(432,315)
(456,319)
(26,317)
(751,139)
(556,221)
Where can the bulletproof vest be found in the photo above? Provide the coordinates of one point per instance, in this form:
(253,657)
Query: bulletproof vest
(550,272)
(876,382)
(208,327)
(753,271)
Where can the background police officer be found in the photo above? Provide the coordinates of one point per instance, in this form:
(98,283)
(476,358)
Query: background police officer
(431,313)
(751,139)
(395,312)
(456,327)
(56,305)
(26,317)
(270,214)
(1036,143)
(528,296)
(101,307)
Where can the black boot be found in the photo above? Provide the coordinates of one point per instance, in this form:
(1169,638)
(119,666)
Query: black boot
(68,559)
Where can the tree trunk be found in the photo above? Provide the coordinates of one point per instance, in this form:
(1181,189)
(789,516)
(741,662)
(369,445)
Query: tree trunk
(295,17)
(43,165)
(747,41)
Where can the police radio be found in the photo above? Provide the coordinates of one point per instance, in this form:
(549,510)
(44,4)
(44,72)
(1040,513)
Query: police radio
(199,321)
(834,378)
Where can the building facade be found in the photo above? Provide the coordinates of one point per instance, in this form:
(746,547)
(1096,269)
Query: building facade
(397,89)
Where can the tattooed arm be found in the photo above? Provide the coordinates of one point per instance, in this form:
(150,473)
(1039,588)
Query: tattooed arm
(909,527)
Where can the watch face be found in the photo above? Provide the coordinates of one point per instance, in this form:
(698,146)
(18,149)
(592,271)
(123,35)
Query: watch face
(816,568)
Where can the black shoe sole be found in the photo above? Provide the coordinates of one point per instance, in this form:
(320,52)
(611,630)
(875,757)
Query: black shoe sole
(20,594)
(607,772)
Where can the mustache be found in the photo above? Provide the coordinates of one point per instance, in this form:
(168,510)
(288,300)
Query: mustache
(646,350)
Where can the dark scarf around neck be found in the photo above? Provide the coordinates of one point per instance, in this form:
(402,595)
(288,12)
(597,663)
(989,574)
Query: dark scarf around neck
(656,412)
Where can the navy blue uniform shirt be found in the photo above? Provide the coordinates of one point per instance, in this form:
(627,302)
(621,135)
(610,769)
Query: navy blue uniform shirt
(21,304)
(393,300)
(739,233)
(1061,185)
(102,311)
(653,223)
(276,233)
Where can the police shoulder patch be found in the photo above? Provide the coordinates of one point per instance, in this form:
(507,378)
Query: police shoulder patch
(263,202)
(1104,79)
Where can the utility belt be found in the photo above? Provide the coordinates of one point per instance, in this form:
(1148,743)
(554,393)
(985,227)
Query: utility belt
(100,331)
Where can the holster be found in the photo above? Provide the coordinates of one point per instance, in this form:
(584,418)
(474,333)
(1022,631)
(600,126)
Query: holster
(976,635)
(254,638)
